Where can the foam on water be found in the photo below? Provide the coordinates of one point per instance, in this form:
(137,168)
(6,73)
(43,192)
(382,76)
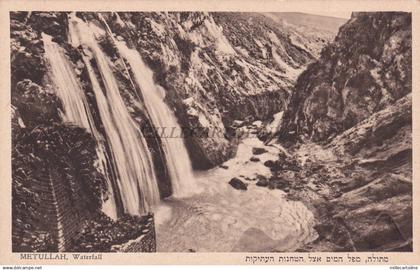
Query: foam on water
(222,219)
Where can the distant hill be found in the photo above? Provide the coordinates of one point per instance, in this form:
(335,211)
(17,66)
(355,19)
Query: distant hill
(330,24)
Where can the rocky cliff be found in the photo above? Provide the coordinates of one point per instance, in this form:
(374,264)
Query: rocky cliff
(348,128)
(359,185)
(55,182)
(366,69)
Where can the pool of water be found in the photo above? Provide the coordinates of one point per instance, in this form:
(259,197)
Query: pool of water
(219,218)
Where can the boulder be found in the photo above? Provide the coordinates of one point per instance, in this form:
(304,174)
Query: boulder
(279,165)
(262,182)
(258,150)
(238,184)
(254,159)
(269,163)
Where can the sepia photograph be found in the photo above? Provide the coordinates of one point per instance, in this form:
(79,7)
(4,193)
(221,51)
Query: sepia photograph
(208,132)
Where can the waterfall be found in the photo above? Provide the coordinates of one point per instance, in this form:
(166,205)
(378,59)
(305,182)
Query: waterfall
(136,180)
(124,156)
(76,108)
(176,154)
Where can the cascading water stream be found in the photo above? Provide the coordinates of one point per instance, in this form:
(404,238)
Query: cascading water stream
(76,109)
(136,181)
(176,154)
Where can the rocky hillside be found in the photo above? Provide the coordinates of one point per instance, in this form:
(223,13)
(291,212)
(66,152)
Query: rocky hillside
(217,68)
(366,69)
(360,184)
(348,132)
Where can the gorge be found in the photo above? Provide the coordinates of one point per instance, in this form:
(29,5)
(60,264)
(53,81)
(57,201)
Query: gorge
(210,132)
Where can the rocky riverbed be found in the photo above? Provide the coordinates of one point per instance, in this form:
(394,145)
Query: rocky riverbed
(233,212)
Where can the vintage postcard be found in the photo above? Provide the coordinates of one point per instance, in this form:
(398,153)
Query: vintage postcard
(209,132)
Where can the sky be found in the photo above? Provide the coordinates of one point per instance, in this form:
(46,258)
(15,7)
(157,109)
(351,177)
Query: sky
(339,14)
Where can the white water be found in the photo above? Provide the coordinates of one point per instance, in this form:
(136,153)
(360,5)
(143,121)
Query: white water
(136,181)
(223,219)
(176,155)
(76,108)
(177,158)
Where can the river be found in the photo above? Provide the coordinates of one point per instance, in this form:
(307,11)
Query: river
(220,218)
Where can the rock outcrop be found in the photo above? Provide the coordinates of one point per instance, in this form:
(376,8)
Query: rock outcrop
(372,184)
(55,186)
(366,69)
(350,119)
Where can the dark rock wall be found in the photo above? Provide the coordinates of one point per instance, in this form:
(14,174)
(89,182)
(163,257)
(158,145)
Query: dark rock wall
(374,207)
(365,69)
(55,185)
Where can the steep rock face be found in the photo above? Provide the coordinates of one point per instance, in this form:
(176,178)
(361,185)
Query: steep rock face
(382,126)
(359,185)
(216,68)
(351,115)
(366,69)
(375,207)
(55,186)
